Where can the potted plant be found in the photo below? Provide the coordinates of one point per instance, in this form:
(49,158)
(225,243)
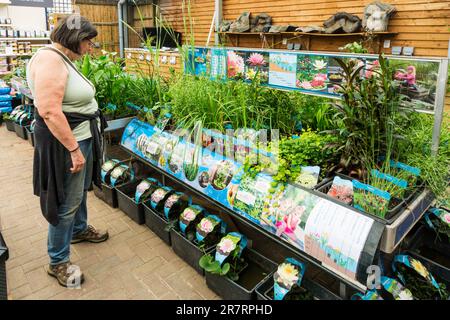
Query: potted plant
(8,121)
(108,192)
(162,210)
(288,283)
(186,244)
(131,195)
(232,272)
(418,279)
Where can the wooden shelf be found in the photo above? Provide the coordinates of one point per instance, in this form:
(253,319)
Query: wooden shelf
(359,34)
(306,35)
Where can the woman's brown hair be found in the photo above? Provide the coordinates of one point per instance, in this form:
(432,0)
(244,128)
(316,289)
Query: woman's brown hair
(71,30)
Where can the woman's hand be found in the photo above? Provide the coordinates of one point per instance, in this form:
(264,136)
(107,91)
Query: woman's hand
(78,161)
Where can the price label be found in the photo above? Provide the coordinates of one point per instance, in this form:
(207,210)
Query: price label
(141,57)
(173,60)
(148,57)
(129,55)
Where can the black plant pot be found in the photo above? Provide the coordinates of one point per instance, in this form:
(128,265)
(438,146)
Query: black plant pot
(30,136)
(188,250)
(125,201)
(107,194)
(264,291)
(9,125)
(21,131)
(3,257)
(424,244)
(157,223)
(259,267)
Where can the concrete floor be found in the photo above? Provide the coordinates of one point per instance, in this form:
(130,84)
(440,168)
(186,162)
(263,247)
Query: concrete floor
(133,264)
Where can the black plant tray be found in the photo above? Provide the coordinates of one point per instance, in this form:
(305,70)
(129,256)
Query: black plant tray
(107,194)
(188,250)
(440,272)
(393,213)
(30,136)
(425,244)
(125,201)
(4,255)
(259,267)
(21,131)
(157,223)
(319,292)
(9,125)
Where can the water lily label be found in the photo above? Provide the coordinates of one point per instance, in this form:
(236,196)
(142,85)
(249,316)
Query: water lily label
(283,70)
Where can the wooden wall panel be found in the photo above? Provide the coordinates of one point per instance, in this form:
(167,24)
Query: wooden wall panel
(423,24)
(104,17)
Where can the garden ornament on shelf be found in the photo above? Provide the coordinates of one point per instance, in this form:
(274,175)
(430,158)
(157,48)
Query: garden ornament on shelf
(242,24)
(376,16)
(260,23)
(342,22)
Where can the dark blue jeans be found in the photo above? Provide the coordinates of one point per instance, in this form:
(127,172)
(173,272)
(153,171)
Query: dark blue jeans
(73,211)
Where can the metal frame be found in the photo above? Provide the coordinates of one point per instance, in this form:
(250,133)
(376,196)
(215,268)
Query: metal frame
(440,86)
(218,8)
(344,281)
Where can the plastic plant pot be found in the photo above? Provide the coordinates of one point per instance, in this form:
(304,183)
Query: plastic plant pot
(258,268)
(424,244)
(188,250)
(125,201)
(157,223)
(30,135)
(264,291)
(107,194)
(21,131)
(9,125)
(4,255)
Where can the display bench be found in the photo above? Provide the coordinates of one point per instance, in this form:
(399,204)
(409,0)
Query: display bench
(327,233)
(143,61)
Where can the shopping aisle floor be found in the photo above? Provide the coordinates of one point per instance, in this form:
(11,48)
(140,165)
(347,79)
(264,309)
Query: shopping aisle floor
(133,264)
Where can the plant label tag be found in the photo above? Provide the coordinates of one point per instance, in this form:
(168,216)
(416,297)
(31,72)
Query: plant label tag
(152,147)
(262,185)
(246,197)
(148,57)
(173,60)
(141,57)
(129,55)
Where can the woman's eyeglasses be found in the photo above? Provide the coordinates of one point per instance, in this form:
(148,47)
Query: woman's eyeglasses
(92,44)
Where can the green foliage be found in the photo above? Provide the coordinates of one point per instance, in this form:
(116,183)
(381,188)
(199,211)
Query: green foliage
(415,150)
(209,264)
(366,115)
(114,86)
(6,116)
(240,104)
(354,47)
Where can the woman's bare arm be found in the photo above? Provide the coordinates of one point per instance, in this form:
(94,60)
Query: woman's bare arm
(50,76)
